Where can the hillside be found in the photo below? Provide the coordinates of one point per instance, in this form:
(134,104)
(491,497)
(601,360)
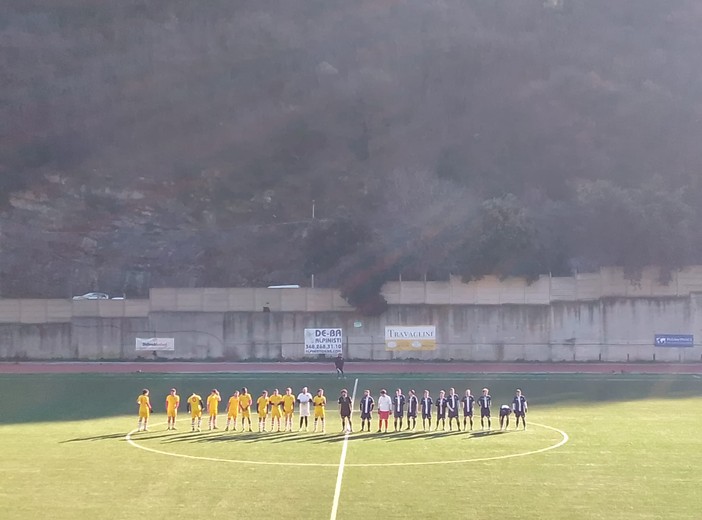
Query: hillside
(157,143)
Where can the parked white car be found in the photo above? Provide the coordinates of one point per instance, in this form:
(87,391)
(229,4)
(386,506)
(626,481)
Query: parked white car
(92,296)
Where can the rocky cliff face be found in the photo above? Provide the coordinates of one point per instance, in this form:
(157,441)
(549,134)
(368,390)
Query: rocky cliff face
(60,239)
(148,143)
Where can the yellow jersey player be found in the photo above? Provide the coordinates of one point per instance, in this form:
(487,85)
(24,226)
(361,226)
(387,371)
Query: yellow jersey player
(245,402)
(232,411)
(144,410)
(276,401)
(319,402)
(262,409)
(288,408)
(172,404)
(213,407)
(195,406)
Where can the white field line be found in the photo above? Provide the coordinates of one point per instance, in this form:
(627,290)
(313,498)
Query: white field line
(342,460)
(564,439)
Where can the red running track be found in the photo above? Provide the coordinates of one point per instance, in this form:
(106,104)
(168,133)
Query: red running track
(352,367)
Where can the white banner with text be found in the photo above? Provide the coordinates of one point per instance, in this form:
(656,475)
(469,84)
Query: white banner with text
(323,341)
(422,337)
(155,344)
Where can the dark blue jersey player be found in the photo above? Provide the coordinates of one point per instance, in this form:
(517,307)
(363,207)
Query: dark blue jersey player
(519,407)
(425,404)
(468,404)
(398,408)
(367,405)
(485,401)
(505,412)
(441,406)
(412,406)
(453,405)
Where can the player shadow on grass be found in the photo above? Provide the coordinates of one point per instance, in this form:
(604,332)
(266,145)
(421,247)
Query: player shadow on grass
(96,438)
(488,433)
(315,438)
(252,437)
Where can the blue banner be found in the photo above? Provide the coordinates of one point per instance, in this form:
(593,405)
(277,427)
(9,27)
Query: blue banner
(674,340)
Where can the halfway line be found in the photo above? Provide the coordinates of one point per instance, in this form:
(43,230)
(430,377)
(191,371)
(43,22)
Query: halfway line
(342,460)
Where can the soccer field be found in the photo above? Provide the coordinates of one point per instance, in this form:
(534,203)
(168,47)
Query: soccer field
(619,446)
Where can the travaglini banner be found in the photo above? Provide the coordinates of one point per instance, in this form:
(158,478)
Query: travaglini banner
(674,340)
(421,337)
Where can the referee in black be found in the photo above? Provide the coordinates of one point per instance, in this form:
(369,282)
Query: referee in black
(339,364)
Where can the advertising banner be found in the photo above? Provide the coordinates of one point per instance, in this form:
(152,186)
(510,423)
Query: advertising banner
(155,344)
(674,340)
(323,341)
(422,337)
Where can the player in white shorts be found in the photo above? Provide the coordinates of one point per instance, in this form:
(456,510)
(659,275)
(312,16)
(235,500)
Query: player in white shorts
(304,398)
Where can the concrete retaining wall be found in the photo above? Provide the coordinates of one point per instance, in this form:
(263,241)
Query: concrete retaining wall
(609,329)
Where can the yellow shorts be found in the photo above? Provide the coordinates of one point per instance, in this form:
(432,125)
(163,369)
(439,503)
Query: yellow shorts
(171,414)
(196,415)
(262,415)
(213,414)
(144,414)
(288,415)
(275,412)
(232,415)
(246,414)
(319,413)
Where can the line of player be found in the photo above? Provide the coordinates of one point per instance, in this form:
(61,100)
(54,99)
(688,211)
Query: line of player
(282,408)
(447,405)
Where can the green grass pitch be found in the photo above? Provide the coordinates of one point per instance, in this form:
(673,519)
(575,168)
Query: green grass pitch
(634,451)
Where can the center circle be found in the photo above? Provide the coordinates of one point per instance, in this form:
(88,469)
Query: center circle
(351,439)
